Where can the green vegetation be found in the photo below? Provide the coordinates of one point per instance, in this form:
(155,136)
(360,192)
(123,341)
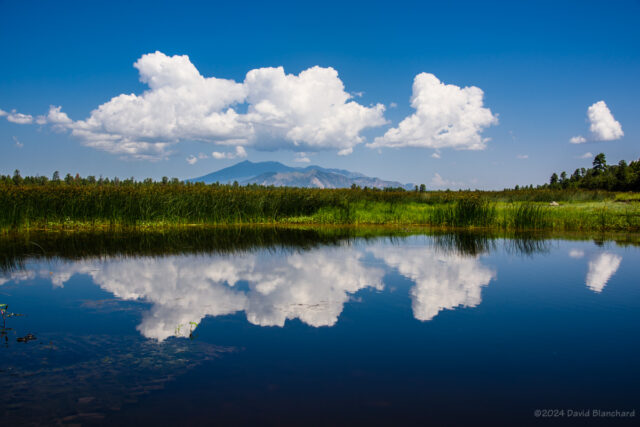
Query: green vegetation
(87,204)
(620,177)
(17,248)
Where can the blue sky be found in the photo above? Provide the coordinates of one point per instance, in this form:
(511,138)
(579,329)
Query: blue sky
(540,67)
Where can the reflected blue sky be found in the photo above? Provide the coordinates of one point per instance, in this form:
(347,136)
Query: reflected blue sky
(382,331)
(313,286)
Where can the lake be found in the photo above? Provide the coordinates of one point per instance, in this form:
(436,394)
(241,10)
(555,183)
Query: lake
(305,328)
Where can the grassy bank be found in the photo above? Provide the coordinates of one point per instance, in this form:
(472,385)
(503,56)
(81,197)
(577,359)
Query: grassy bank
(474,213)
(157,206)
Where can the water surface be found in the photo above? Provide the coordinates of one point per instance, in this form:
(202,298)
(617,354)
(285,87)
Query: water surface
(308,329)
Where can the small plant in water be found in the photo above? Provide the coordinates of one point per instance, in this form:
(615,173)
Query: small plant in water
(4,311)
(192,328)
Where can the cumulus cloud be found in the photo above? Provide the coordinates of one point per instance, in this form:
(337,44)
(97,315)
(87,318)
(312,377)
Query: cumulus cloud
(522,156)
(56,116)
(3,113)
(436,155)
(578,139)
(443,281)
(310,111)
(239,152)
(302,158)
(601,268)
(587,155)
(602,124)
(446,116)
(19,118)
(439,182)
(192,160)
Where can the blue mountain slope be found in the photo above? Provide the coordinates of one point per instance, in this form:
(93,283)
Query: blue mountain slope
(277,174)
(242,171)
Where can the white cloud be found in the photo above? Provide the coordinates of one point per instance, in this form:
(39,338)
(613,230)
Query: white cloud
(306,112)
(19,118)
(3,113)
(586,155)
(446,116)
(17,142)
(439,182)
(602,124)
(192,160)
(601,269)
(578,139)
(436,155)
(576,253)
(442,280)
(393,105)
(302,158)
(56,116)
(522,156)
(239,153)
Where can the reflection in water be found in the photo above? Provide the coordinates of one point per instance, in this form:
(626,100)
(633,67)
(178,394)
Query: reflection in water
(17,276)
(576,253)
(442,281)
(77,380)
(601,268)
(311,286)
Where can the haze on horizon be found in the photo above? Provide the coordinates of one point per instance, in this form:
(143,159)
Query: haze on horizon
(462,96)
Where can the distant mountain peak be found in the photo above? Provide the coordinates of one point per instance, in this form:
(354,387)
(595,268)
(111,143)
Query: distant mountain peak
(277,174)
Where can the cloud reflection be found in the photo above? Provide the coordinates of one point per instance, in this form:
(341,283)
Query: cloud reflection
(601,268)
(311,286)
(270,289)
(442,280)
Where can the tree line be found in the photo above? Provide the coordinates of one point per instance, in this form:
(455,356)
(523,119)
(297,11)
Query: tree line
(620,177)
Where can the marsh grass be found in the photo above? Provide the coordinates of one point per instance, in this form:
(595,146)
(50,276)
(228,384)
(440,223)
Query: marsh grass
(157,205)
(526,216)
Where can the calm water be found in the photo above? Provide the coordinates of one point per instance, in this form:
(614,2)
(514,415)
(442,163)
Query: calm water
(407,330)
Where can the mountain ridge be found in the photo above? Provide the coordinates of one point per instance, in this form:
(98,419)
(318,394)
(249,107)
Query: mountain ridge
(280,175)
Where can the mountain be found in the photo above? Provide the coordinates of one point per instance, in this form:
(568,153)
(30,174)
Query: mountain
(277,174)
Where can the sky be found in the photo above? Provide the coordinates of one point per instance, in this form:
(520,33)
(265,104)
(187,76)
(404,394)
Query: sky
(459,95)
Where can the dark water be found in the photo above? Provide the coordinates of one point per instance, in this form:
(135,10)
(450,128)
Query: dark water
(309,329)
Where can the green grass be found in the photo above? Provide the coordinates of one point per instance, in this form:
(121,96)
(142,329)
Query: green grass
(159,206)
(472,213)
